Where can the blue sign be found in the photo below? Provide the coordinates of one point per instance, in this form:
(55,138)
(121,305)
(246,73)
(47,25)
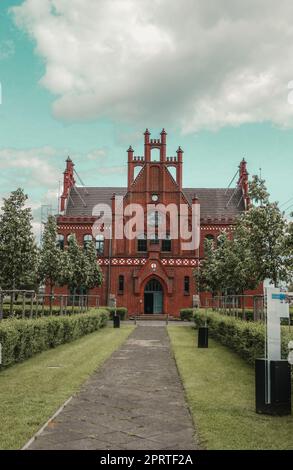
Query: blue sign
(280,296)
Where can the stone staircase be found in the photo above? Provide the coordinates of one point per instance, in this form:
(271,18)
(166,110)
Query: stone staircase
(153,317)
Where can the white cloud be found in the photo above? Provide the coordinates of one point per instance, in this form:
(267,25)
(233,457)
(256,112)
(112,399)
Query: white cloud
(113,170)
(196,64)
(97,154)
(7,49)
(29,167)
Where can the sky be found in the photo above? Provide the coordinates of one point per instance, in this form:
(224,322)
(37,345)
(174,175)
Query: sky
(85,79)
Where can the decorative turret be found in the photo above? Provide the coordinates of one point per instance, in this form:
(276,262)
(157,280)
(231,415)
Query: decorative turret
(149,163)
(243,182)
(68,182)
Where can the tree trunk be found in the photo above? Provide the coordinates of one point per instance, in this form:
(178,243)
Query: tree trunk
(51,299)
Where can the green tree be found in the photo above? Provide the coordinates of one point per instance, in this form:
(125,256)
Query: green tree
(206,275)
(79,271)
(53,263)
(95,276)
(258,192)
(289,251)
(262,233)
(18,251)
(261,248)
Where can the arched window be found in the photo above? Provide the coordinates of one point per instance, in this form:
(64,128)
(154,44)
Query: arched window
(142,242)
(86,240)
(153,286)
(210,238)
(71,235)
(166,243)
(155,155)
(100,242)
(60,241)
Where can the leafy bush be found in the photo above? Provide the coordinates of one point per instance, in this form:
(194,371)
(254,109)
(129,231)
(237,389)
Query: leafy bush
(122,312)
(186,314)
(22,339)
(245,338)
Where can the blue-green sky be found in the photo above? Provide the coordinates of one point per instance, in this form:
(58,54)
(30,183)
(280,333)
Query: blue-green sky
(86,79)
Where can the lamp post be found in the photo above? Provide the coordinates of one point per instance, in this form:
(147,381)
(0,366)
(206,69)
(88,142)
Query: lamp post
(109,264)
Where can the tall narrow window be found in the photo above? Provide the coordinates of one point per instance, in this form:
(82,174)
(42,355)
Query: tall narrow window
(141,243)
(166,243)
(86,240)
(60,241)
(100,242)
(186,284)
(121,284)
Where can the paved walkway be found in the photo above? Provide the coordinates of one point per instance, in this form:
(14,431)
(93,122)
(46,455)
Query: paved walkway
(134,401)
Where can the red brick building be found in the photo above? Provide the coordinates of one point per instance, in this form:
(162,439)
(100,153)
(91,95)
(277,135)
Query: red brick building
(149,275)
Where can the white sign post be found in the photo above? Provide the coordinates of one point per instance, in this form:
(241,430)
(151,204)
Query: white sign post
(277,308)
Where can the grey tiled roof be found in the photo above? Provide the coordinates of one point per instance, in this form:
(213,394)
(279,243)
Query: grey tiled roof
(213,202)
(217,202)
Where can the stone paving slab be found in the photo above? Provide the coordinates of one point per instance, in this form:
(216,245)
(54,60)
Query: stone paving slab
(134,401)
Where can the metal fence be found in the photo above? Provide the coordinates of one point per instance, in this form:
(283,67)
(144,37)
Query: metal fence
(29,304)
(245,307)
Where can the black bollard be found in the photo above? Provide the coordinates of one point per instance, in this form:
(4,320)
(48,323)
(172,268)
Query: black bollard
(280,387)
(116,320)
(203,337)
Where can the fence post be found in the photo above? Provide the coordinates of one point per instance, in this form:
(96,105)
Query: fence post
(61,305)
(43,304)
(37,305)
(1,305)
(31,307)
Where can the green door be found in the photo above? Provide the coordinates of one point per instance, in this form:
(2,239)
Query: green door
(158,302)
(153,297)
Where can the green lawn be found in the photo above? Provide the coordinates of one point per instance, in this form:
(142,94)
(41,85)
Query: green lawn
(32,391)
(219,388)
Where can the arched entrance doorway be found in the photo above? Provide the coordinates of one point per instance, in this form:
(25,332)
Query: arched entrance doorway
(153,297)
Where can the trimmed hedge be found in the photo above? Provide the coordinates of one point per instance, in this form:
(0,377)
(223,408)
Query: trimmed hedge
(122,312)
(22,339)
(186,314)
(245,338)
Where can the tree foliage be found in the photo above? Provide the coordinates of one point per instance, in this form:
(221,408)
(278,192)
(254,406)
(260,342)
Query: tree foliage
(53,263)
(18,251)
(261,248)
(84,272)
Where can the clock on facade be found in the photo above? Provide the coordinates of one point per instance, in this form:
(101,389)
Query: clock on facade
(155,197)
